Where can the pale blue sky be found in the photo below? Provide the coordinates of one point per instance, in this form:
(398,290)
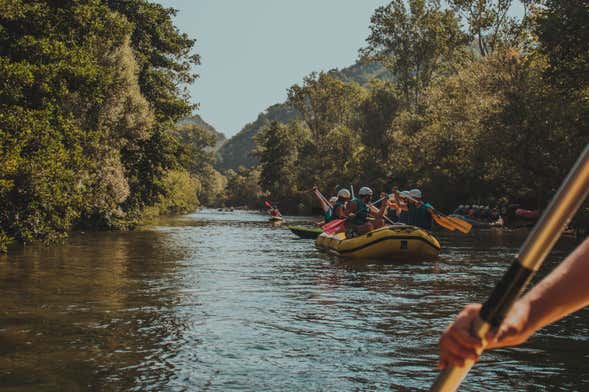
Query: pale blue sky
(253,50)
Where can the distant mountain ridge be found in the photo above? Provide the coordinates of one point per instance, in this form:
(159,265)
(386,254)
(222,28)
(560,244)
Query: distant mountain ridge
(199,122)
(237,151)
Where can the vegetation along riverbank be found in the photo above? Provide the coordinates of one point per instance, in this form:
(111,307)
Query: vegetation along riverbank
(468,102)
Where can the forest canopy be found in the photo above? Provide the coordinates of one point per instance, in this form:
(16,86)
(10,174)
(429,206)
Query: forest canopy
(483,107)
(90,92)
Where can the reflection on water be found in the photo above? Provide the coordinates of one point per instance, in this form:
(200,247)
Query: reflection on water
(225,301)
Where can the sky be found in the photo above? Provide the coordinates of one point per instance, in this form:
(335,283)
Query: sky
(252,51)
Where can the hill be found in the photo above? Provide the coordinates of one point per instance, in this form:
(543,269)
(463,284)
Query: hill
(237,150)
(199,122)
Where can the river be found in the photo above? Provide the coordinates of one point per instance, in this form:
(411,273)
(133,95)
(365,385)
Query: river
(218,301)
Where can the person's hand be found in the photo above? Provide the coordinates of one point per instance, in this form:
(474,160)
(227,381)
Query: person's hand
(457,344)
(315,189)
(513,331)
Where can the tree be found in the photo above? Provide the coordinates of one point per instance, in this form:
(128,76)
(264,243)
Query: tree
(278,151)
(563,31)
(414,42)
(325,102)
(89,92)
(489,22)
(376,114)
(243,188)
(164,55)
(195,148)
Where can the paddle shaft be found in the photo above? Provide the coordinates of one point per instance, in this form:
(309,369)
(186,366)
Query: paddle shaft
(324,198)
(562,208)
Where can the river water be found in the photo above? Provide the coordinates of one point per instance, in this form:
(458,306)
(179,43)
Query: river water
(217,301)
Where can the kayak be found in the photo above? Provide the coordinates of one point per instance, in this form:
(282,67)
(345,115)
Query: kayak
(401,242)
(527,214)
(306,232)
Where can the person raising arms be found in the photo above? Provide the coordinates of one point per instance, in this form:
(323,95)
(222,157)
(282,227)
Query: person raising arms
(359,212)
(339,207)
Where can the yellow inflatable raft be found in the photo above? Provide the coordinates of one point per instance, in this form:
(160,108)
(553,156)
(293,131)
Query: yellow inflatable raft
(389,243)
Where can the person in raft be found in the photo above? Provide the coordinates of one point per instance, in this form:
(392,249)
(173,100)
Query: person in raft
(562,292)
(335,208)
(419,212)
(359,212)
(397,211)
(339,207)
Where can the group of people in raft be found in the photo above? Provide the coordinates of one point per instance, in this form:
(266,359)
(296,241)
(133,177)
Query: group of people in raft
(363,216)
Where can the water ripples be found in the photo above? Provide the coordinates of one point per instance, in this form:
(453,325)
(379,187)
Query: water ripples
(225,301)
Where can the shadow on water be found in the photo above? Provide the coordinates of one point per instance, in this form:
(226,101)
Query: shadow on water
(76,315)
(221,301)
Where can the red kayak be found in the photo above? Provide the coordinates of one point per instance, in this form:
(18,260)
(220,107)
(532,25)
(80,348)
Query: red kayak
(527,214)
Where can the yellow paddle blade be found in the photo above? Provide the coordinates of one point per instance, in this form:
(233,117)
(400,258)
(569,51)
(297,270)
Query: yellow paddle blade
(444,222)
(461,225)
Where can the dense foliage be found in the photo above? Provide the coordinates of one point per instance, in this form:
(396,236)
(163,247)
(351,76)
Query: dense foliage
(483,108)
(89,95)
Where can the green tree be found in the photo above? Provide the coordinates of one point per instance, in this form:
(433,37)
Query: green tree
(196,148)
(89,90)
(325,102)
(415,42)
(278,150)
(243,188)
(563,32)
(489,23)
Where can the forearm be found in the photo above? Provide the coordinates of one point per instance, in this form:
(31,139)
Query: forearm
(324,205)
(564,291)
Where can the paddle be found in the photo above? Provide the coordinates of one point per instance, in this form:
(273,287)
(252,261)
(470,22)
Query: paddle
(444,222)
(323,197)
(449,222)
(334,226)
(562,208)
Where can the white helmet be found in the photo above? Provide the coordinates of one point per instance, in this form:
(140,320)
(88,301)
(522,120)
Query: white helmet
(365,191)
(415,193)
(404,194)
(344,193)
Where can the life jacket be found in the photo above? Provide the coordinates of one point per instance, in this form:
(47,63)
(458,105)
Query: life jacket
(334,214)
(361,213)
(419,216)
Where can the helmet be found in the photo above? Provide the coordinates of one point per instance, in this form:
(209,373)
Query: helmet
(404,194)
(365,191)
(332,199)
(415,193)
(344,193)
